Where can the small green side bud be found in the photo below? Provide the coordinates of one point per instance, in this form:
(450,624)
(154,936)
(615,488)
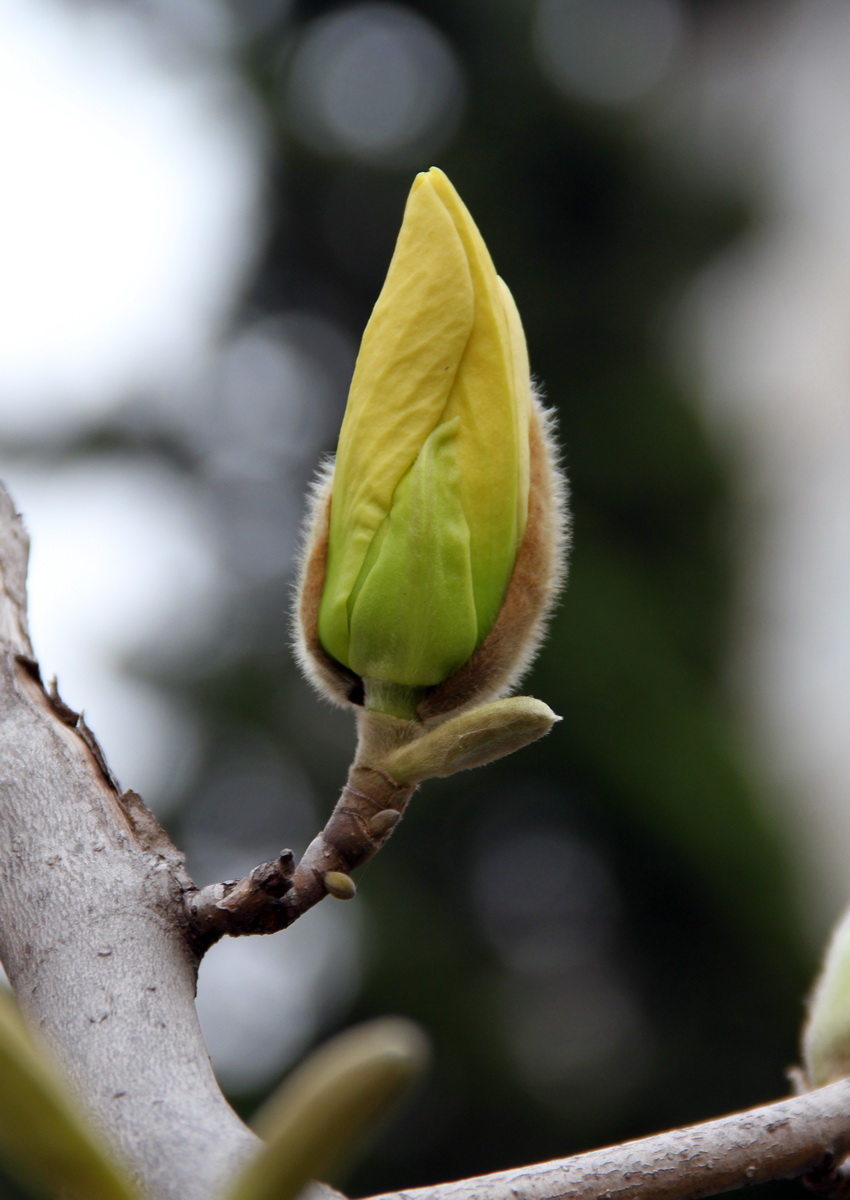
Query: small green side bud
(383,822)
(472,739)
(826,1036)
(339,885)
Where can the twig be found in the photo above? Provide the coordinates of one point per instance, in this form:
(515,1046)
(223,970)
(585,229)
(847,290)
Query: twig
(800,1136)
(389,750)
(249,905)
(273,895)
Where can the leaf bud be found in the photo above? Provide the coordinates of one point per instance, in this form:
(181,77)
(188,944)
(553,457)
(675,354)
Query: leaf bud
(339,885)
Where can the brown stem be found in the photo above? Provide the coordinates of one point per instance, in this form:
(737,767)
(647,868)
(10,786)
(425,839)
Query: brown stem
(275,894)
(802,1136)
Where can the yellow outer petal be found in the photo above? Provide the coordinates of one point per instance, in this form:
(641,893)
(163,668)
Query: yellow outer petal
(522,405)
(407,364)
(444,344)
(484,396)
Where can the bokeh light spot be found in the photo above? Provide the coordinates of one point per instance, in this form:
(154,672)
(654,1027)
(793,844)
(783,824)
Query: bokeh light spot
(122,570)
(127,215)
(607,51)
(375,82)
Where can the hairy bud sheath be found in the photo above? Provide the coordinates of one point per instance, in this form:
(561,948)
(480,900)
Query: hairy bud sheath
(435,550)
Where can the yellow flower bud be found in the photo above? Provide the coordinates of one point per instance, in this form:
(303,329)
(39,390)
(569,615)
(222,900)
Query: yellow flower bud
(429,500)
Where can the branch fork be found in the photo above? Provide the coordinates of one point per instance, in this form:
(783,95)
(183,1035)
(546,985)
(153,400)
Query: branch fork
(393,757)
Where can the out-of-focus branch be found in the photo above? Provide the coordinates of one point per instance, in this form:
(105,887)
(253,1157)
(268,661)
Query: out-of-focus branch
(802,1136)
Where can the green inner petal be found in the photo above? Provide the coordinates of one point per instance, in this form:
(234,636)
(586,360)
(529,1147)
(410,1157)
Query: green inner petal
(405,370)
(413,619)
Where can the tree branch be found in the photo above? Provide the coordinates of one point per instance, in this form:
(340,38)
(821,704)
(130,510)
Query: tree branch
(276,893)
(800,1136)
(92,929)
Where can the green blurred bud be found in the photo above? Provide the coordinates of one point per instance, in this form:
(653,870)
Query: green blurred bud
(826,1037)
(322,1114)
(430,487)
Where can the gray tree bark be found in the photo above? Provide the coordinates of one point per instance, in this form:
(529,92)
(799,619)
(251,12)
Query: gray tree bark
(804,1136)
(92,930)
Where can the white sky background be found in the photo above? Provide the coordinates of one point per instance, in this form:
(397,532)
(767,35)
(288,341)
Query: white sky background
(120,172)
(128,218)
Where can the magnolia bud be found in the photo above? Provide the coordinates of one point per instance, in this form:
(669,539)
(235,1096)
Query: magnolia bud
(435,549)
